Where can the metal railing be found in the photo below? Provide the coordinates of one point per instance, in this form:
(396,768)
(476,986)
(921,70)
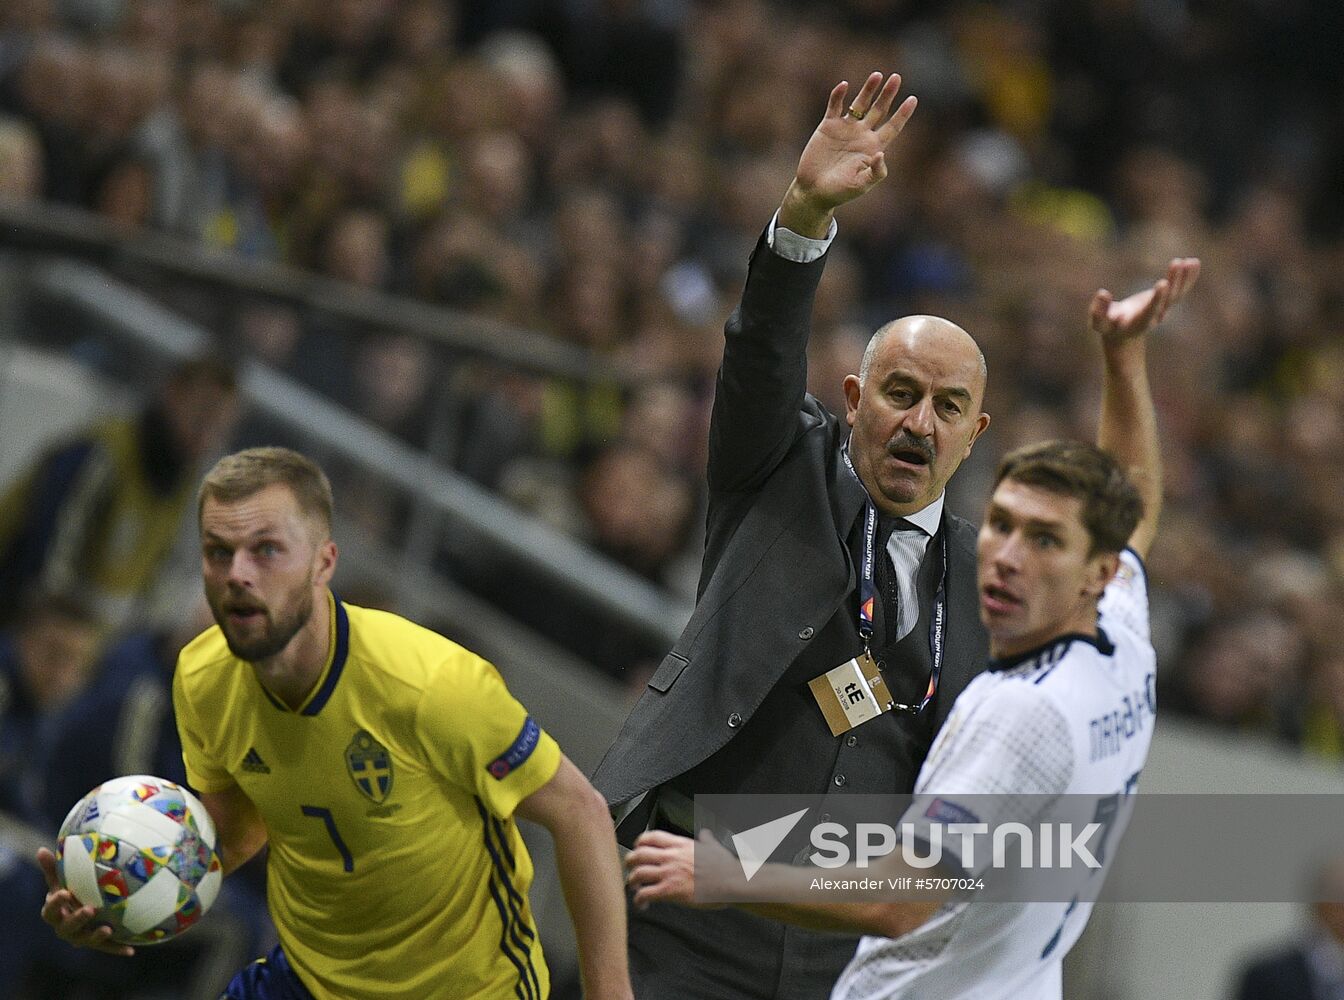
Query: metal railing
(59,229)
(620,595)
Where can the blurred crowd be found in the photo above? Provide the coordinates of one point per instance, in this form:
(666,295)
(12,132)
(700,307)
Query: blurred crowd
(598,170)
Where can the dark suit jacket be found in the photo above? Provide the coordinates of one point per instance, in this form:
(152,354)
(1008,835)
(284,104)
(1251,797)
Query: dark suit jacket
(1284,976)
(777,565)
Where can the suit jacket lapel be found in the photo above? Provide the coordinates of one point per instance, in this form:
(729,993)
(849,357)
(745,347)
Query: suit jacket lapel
(967,649)
(847,504)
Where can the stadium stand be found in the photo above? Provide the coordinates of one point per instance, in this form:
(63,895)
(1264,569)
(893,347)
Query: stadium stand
(500,239)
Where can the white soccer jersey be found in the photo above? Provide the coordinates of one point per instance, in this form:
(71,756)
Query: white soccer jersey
(1072,718)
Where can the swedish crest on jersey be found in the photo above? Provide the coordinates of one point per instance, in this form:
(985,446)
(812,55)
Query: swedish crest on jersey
(370,766)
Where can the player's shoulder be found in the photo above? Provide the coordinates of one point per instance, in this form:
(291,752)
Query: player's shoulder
(1133,650)
(1014,695)
(1021,690)
(1131,578)
(1001,716)
(399,647)
(199,658)
(1123,612)
(206,673)
(1048,683)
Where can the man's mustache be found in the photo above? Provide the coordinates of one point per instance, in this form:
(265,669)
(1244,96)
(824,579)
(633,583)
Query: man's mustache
(905,441)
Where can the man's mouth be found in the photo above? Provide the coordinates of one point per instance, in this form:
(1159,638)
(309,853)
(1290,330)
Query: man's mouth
(998,600)
(910,456)
(910,450)
(244,613)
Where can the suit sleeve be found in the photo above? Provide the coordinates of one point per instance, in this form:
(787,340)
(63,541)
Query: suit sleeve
(477,735)
(763,378)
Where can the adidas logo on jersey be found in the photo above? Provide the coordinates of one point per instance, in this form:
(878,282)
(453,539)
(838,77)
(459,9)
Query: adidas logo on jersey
(253,762)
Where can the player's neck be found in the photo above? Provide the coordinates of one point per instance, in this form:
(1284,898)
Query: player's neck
(1005,648)
(291,673)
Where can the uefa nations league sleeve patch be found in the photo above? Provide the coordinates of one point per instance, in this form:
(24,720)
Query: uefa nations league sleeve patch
(942,811)
(518,753)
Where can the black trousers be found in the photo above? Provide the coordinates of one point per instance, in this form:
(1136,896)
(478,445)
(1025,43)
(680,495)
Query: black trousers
(677,953)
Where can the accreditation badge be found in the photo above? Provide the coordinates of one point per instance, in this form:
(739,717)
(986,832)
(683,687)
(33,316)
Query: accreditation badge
(851,694)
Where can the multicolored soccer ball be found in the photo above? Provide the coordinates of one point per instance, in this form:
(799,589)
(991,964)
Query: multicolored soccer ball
(142,850)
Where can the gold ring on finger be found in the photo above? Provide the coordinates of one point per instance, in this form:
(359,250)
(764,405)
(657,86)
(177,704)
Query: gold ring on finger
(855,113)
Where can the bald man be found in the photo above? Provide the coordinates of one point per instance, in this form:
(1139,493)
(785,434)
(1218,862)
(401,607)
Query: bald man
(828,555)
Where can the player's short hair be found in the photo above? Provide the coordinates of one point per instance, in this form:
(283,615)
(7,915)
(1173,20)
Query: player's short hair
(244,473)
(1111,503)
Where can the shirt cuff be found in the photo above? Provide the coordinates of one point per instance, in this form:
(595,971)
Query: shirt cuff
(791,246)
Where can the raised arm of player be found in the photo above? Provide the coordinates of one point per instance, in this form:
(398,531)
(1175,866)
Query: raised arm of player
(590,875)
(1128,428)
(845,156)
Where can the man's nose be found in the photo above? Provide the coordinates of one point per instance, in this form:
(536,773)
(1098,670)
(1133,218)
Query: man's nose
(919,418)
(1008,556)
(240,570)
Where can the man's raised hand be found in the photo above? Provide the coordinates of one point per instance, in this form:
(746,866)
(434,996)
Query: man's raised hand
(1117,322)
(846,155)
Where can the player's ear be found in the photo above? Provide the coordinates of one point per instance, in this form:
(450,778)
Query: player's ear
(1101,570)
(325,560)
(853,389)
(981,425)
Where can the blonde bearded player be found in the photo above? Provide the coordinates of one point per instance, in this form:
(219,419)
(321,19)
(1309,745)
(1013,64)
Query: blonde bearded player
(381,762)
(1063,597)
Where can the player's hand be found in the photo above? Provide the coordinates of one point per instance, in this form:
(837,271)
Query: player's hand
(72,921)
(1132,317)
(845,156)
(662,867)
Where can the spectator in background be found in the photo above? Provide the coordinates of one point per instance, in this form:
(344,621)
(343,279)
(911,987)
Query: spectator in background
(392,377)
(1242,673)
(122,723)
(639,510)
(126,195)
(1313,967)
(79,724)
(98,514)
(46,661)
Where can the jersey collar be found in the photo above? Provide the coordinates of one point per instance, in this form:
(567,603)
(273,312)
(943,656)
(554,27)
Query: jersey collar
(1100,641)
(339,645)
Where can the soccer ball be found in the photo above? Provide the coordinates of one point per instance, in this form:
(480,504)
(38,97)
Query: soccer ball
(141,850)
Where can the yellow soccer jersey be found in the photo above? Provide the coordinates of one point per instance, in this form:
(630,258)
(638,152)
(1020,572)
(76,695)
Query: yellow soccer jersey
(395,869)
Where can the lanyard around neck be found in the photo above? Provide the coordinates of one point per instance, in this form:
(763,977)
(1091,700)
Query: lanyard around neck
(868,595)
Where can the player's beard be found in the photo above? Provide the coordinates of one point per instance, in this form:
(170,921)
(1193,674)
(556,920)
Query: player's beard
(278,631)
